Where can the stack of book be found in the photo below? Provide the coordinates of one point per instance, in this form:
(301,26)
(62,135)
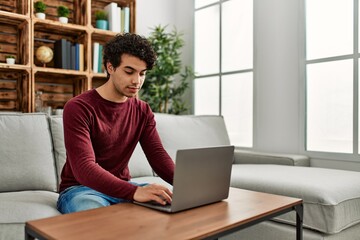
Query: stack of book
(119,18)
(68,55)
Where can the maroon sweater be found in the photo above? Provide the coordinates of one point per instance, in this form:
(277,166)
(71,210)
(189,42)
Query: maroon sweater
(100,137)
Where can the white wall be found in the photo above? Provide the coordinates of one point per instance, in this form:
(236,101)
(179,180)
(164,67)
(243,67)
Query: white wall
(278,125)
(152,13)
(276,76)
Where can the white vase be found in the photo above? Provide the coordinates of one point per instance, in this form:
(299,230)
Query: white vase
(40,15)
(63,19)
(10,60)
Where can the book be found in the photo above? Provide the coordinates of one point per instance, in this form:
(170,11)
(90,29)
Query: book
(72,56)
(126,19)
(113,17)
(100,59)
(81,57)
(95,57)
(122,21)
(60,57)
(119,19)
(77,45)
(68,55)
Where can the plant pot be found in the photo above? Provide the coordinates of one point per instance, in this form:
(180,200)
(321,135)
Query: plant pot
(10,60)
(40,15)
(102,24)
(63,19)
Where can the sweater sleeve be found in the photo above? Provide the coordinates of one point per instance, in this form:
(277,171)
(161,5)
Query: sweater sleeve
(159,159)
(81,156)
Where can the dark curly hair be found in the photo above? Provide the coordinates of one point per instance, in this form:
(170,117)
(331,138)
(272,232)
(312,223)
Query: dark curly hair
(131,44)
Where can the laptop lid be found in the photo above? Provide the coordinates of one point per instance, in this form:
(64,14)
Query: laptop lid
(202,176)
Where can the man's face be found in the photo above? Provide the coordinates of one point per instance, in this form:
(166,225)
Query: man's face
(127,78)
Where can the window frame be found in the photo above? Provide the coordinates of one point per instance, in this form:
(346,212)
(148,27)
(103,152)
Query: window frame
(354,156)
(221,74)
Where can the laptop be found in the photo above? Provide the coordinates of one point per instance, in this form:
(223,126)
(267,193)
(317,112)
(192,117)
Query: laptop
(202,176)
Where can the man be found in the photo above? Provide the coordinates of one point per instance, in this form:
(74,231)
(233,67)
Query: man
(101,129)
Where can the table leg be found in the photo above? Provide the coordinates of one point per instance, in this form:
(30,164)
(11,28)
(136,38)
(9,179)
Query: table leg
(299,209)
(30,235)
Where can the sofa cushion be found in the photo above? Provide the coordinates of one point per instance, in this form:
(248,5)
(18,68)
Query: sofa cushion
(255,157)
(19,207)
(57,132)
(13,231)
(331,197)
(270,230)
(27,161)
(190,131)
(138,164)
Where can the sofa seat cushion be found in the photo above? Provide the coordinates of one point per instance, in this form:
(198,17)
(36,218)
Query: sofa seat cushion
(19,207)
(331,197)
(278,231)
(27,160)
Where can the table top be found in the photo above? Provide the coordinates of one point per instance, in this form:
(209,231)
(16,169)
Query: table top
(130,221)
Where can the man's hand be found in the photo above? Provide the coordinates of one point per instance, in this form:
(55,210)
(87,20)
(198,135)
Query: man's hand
(153,192)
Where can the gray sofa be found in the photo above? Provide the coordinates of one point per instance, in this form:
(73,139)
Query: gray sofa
(32,154)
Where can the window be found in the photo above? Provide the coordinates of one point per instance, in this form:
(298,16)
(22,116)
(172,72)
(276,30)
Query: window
(332,76)
(224,65)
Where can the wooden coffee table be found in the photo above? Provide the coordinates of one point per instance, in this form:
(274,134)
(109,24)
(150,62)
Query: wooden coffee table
(242,209)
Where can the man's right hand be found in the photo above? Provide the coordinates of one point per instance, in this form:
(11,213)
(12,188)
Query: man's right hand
(153,192)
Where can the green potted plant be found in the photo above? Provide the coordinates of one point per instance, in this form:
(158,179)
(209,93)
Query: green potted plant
(10,59)
(40,8)
(166,83)
(63,14)
(101,19)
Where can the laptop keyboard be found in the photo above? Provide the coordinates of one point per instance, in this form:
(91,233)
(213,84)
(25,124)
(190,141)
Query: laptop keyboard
(158,204)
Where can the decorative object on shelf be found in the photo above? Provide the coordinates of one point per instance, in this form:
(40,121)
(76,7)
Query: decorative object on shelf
(38,101)
(40,8)
(44,54)
(101,20)
(63,14)
(10,59)
(162,90)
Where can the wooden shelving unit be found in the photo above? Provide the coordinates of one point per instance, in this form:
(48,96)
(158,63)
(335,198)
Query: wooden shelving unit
(21,34)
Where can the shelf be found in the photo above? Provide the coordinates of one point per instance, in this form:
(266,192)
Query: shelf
(59,88)
(77,8)
(55,26)
(97,80)
(100,5)
(59,71)
(14,89)
(13,35)
(22,33)
(98,75)
(47,32)
(101,32)
(15,6)
(15,67)
(9,16)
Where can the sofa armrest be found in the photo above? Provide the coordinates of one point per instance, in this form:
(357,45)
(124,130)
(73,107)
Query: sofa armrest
(254,157)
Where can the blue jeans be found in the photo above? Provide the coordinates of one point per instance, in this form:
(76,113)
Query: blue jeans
(79,198)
